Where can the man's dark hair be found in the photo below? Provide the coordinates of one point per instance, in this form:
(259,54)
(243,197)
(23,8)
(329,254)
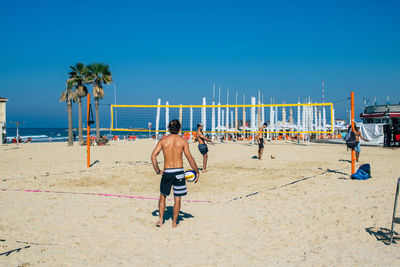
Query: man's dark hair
(174,126)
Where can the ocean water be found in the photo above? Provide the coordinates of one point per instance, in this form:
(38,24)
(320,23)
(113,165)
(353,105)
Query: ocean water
(61,134)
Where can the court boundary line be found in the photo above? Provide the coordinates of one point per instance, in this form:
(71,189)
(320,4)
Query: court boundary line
(96,194)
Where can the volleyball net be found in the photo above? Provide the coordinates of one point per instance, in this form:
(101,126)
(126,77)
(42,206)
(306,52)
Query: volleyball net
(217,119)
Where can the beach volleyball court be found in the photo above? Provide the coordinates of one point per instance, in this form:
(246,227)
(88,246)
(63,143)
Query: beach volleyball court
(298,208)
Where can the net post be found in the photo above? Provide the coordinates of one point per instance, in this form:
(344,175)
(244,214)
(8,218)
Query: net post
(227,116)
(191,123)
(244,118)
(332,120)
(88,132)
(158,118)
(213,121)
(112,118)
(253,118)
(353,152)
(166,116)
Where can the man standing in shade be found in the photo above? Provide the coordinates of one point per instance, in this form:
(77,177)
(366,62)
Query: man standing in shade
(173,146)
(260,140)
(202,145)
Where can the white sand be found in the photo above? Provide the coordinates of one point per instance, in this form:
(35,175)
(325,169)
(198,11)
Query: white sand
(317,221)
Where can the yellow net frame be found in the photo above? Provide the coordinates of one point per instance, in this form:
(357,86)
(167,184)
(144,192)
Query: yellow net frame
(330,105)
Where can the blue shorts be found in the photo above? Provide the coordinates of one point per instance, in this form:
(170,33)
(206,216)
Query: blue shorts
(358,147)
(261,143)
(203,149)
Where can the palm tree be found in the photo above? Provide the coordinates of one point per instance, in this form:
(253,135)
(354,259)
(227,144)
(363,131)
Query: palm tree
(67,96)
(79,77)
(99,74)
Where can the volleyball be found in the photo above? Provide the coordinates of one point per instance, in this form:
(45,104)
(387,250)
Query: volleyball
(273,156)
(190,175)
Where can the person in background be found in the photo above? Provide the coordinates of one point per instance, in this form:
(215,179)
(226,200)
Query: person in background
(202,139)
(358,137)
(260,140)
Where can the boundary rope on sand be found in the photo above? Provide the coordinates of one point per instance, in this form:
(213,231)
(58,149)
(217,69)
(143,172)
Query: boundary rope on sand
(184,200)
(96,194)
(7,253)
(291,183)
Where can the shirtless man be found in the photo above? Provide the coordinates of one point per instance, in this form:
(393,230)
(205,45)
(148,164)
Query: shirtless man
(260,140)
(358,137)
(202,145)
(173,146)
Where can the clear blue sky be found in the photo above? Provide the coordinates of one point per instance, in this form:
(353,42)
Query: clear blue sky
(176,50)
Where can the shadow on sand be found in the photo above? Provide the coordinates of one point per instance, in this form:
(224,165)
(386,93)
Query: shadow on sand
(338,172)
(383,235)
(95,162)
(168,214)
(17,147)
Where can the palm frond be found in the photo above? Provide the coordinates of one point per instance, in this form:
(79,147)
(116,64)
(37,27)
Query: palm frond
(81,91)
(75,96)
(80,66)
(100,74)
(70,84)
(63,97)
(73,68)
(100,95)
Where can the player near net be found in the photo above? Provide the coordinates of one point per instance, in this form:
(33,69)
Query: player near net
(202,139)
(172,146)
(260,140)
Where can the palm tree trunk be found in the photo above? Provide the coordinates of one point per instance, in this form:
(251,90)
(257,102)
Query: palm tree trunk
(80,121)
(69,109)
(96,100)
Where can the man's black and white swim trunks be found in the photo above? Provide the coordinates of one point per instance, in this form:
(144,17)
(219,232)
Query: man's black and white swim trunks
(203,149)
(173,178)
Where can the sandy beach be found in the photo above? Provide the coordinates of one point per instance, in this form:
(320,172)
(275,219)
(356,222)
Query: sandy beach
(298,209)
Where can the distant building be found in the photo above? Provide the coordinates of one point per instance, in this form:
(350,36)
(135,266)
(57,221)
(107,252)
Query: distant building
(386,114)
(3,119)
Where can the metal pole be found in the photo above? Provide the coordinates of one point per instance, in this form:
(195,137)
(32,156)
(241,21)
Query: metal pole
(115,102)
(353,152)
(227,115)
(191,122)
(166,117)
(213,115)
(236,116)
(259,110)
(158,118)
(17,133)
(88,132)
(17,123)
(244,117)
(394,211)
